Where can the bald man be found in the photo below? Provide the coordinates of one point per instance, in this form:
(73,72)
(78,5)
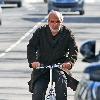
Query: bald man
(51,44)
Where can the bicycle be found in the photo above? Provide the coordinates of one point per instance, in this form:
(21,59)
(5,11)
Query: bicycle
(50,92)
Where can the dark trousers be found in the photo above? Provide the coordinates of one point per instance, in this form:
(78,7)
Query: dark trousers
(41,85)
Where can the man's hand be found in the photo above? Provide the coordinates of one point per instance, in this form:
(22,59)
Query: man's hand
(35,64)
(67,66)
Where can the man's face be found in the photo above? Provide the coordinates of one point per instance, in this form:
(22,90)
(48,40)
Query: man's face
(54,23)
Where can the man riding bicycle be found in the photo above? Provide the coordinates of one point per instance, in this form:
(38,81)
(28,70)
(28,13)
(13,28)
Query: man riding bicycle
(51,44)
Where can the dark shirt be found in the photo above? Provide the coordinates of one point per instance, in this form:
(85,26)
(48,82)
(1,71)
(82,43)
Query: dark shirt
(49,49)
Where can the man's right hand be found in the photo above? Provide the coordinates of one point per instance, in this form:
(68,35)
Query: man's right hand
(35,64)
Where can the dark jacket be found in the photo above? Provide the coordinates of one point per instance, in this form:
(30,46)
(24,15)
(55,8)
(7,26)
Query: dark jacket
(48,49)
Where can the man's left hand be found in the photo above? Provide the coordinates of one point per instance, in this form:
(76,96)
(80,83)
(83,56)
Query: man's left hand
(66,66)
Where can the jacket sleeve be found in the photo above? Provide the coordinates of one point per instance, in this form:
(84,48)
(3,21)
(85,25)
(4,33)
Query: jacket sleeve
(72,49)
(32,47)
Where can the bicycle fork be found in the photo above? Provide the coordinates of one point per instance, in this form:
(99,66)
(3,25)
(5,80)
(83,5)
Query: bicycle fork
(50,93)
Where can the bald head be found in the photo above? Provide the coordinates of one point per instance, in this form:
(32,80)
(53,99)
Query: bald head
(56,14)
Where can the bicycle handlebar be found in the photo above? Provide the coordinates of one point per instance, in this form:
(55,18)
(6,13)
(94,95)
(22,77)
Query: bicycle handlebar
(50,66)
(55,66)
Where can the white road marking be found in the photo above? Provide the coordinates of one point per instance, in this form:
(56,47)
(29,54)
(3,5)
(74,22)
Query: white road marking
(22,38)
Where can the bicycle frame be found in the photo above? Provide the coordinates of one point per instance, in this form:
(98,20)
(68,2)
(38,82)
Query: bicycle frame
(50,92)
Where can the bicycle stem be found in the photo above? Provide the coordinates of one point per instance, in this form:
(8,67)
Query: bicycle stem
(50,76)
